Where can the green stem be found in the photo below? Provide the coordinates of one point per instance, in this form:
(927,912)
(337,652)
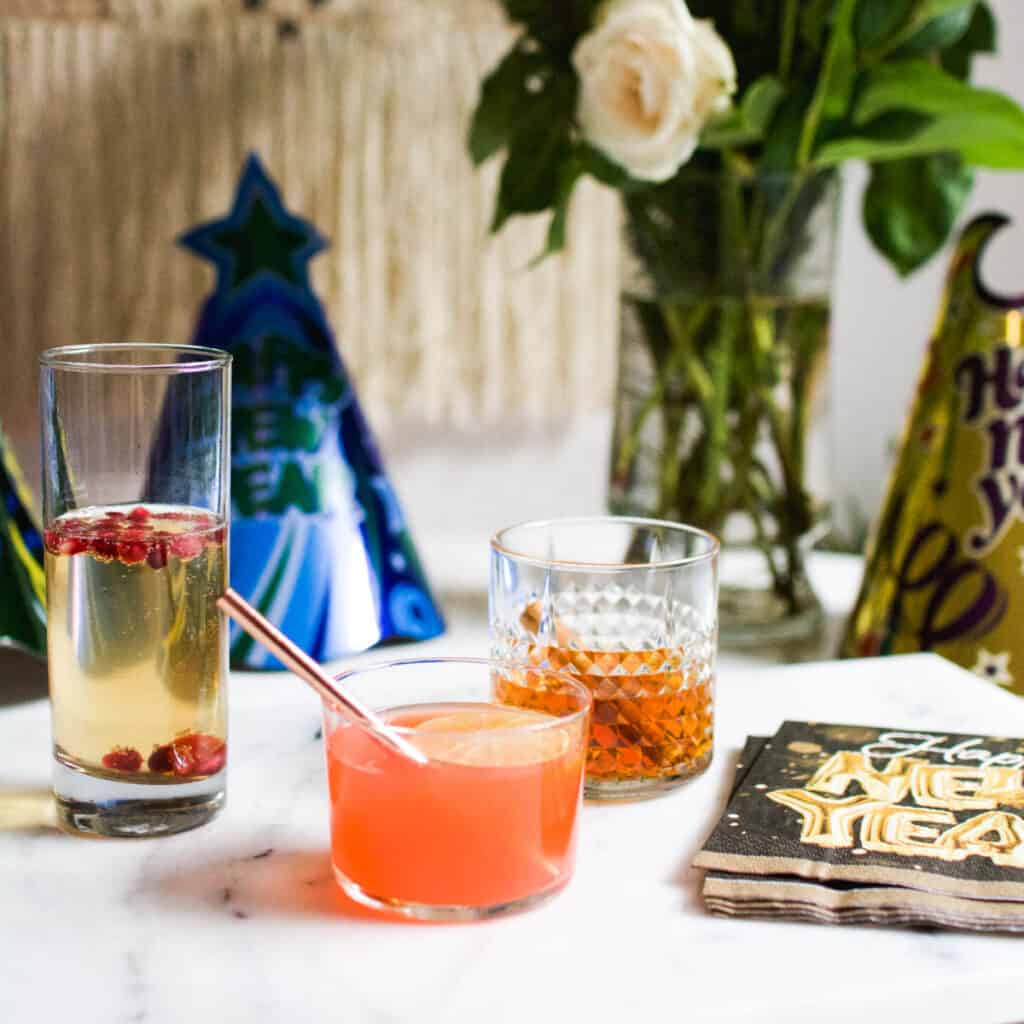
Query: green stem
(716,424)
(775,232)
(720,355)
(682,361)
(668,484)
(789,18)
(762,494)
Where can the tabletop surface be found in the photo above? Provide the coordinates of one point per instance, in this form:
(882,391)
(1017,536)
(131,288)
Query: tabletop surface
(241,921)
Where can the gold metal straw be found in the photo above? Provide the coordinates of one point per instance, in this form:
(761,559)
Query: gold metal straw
(309,671)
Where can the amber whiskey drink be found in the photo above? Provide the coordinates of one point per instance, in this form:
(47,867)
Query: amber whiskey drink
(653,716)
(628,606)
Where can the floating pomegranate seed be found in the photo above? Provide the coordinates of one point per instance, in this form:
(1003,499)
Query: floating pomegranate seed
(186,545)
(157,555)
(114,516)
(132,552)
(59,544)
(104,548)
(139,514)
(123,759)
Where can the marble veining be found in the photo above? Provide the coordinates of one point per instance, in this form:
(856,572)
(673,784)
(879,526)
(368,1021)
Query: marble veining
(240,921)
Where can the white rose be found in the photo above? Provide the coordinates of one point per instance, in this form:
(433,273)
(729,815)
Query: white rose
(651,75)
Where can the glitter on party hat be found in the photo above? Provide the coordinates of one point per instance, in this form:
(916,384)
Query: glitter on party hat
(944,570)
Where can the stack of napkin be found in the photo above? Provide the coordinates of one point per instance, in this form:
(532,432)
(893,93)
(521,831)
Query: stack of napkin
(840,823)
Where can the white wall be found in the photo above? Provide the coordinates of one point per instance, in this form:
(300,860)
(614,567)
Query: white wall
(882,323)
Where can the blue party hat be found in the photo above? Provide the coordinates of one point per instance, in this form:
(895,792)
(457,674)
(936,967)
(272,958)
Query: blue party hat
(318,540)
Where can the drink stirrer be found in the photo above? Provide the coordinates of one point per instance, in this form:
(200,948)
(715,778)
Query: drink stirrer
(297,661)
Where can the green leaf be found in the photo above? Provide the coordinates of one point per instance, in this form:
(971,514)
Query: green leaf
(924,88)
(524,11)
(533,169)
(938,33)
(556,25)
(569,174)
(910,207)
(926,10)
(877,19)
(595,163)
(505,92)
(923,27)
(835,84)
(890,138)
(783,141)
(729,130)
(938,16)
(749,121)
(761,101)
(814,15)
(980,37)
(984,126)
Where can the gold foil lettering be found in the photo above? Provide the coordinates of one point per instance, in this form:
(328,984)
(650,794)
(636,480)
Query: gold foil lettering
(1004,786)
(952,788)
(997,835)
(825,822)
(846,766)
(828,817)
(907,831)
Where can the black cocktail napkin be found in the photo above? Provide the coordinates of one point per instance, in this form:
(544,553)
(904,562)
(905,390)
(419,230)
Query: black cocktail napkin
(842,823)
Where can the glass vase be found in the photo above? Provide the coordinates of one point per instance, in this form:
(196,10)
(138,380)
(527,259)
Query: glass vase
(722,396)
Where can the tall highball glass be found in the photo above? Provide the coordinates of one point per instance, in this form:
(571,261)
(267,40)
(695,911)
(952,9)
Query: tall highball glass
(135,503)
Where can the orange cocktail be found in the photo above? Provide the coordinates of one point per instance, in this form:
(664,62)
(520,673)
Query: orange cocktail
(488,824)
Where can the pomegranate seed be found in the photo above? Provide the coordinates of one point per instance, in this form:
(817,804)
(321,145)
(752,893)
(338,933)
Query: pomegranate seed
(186,545)
(182,758)
(132,552)
(104,548)
(113,517)
(160,759)
(139,514)
(73,545)
(210,754)
(190,754)
(123,759)
(157,555)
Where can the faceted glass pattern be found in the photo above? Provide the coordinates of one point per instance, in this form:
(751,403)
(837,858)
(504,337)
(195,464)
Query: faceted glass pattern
(643,640)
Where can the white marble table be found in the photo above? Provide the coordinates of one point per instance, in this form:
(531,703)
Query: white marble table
(240,921)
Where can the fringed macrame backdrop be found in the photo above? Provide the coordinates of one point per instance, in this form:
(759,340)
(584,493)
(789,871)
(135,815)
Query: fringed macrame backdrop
(123,122)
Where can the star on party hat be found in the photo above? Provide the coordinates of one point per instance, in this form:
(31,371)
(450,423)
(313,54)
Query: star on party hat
(22,582)
(318,540)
